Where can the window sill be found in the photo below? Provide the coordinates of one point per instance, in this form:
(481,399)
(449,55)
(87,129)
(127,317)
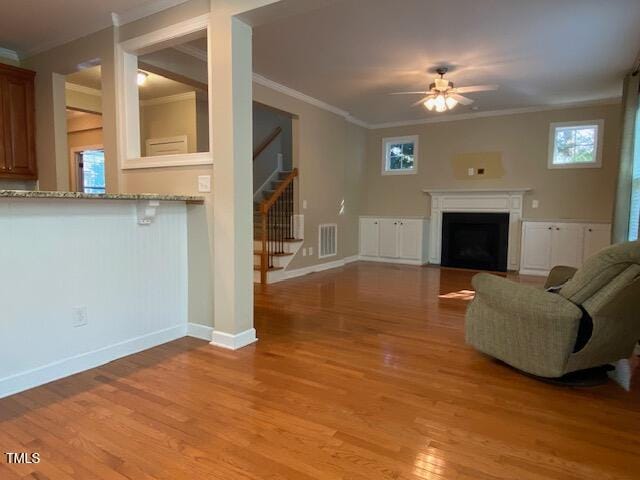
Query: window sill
(399,172)
(574,165)
(162,161)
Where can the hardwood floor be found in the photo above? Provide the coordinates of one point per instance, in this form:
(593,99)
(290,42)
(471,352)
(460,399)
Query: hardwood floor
(360,373)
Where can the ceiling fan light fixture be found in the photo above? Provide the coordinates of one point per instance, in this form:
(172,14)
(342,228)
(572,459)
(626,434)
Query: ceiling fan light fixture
(451,102)
(440,103)
(430,103)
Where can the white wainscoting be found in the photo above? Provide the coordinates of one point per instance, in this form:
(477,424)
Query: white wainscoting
(57,255)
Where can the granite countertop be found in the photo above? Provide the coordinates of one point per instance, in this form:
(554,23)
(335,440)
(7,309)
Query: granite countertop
(100,196)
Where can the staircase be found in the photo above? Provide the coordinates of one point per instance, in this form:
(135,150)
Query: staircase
(274,241)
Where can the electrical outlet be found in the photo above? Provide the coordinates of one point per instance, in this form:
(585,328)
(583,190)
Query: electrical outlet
(304,204)
(471,172)
(204,183)
(535,204)
(304,252)
(310,251)
(79,317)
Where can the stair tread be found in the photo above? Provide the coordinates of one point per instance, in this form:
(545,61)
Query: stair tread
(285,254)
(256,268)
(286,240)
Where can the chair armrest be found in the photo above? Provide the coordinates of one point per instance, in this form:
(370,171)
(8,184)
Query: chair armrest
(559,275)
(525,300)
(522,325)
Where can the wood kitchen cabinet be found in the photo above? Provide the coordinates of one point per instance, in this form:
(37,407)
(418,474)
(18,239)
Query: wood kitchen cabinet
(17,124)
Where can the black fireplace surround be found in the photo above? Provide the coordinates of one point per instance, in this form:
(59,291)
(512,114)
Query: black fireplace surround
(476,241)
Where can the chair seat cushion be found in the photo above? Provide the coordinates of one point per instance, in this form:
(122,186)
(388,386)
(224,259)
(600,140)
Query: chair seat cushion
(600,269)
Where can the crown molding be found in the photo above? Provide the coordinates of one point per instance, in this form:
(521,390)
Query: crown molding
(266,82)
(144,10)
(82,89)
(192,51)
(179,97)
(9,54)
(498,113)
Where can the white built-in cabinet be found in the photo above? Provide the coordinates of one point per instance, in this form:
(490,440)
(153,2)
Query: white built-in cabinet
(547,244)
(391,239)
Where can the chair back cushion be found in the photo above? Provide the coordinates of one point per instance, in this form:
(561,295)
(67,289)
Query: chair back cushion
(600,269)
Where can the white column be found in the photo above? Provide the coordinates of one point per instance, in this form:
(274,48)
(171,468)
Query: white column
(232,143)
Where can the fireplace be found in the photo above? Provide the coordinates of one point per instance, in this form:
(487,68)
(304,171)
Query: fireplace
(478,241)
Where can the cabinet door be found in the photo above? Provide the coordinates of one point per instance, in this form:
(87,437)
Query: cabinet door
(410,239)
(388,238)
(596,237)
(369,237)
(19,125)
(536,246)
(566,245)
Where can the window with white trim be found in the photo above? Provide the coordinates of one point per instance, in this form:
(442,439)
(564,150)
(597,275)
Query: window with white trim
(576,144)
(634,217)
(400,155)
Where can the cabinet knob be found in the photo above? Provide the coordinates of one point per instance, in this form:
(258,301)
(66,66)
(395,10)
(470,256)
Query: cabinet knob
(550,228)
(401,223)
(375,223)
(590,230)
(395,223)
(557,228)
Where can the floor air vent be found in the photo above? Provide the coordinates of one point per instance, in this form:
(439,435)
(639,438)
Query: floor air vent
(328,240)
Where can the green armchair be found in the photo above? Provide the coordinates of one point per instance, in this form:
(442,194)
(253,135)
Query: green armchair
(591,319)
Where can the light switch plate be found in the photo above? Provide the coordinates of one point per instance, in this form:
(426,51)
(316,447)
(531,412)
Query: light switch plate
(310,251)
(204,183)
(471,172)
(304,204)
(80,317)
(535,204)
(304,252)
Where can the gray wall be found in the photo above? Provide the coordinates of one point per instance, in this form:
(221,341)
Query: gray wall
(265,121)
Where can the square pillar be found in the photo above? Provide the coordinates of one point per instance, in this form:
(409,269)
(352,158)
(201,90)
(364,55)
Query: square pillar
(232,145)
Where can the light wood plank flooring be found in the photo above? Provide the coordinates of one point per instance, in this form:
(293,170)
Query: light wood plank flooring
(360,373)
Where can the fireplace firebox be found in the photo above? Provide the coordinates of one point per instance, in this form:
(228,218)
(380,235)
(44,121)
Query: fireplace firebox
(477,241)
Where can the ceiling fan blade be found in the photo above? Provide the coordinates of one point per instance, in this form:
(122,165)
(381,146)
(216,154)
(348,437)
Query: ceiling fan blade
(408,93)
(422,100)
(461,99)
(476,88)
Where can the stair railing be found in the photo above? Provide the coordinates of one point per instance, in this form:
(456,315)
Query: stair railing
(276,217)
(267,141)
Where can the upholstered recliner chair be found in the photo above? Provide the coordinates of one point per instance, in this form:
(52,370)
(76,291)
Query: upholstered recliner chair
(592,320)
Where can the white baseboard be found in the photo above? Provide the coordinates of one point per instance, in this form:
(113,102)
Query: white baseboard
(85,361)
(299,272)
(401,261)
(233,342)
(199,331)
(537,273)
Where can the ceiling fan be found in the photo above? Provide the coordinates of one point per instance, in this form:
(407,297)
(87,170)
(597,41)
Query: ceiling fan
(443,96)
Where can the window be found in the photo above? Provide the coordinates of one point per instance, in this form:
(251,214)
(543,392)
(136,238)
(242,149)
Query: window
(634,219)
(91,171)
(400,155)
(576,144)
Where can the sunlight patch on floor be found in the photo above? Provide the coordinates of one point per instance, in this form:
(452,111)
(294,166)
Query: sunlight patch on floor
(459,295)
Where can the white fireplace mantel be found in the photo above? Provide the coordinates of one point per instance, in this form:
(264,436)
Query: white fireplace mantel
(509,200)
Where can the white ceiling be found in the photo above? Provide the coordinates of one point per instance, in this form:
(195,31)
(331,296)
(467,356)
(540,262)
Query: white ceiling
(351,53)
(31,26)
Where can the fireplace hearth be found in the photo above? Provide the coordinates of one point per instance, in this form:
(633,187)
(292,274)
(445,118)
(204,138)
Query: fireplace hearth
(477,241)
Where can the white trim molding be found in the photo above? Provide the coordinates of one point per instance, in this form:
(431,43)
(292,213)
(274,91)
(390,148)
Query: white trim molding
(145,10)
(266,82)
(510,201)
(599,126)
(203,332)
(85,361)
(164,37)
(189,159)
(233,342)
(9,55)
(387,141)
